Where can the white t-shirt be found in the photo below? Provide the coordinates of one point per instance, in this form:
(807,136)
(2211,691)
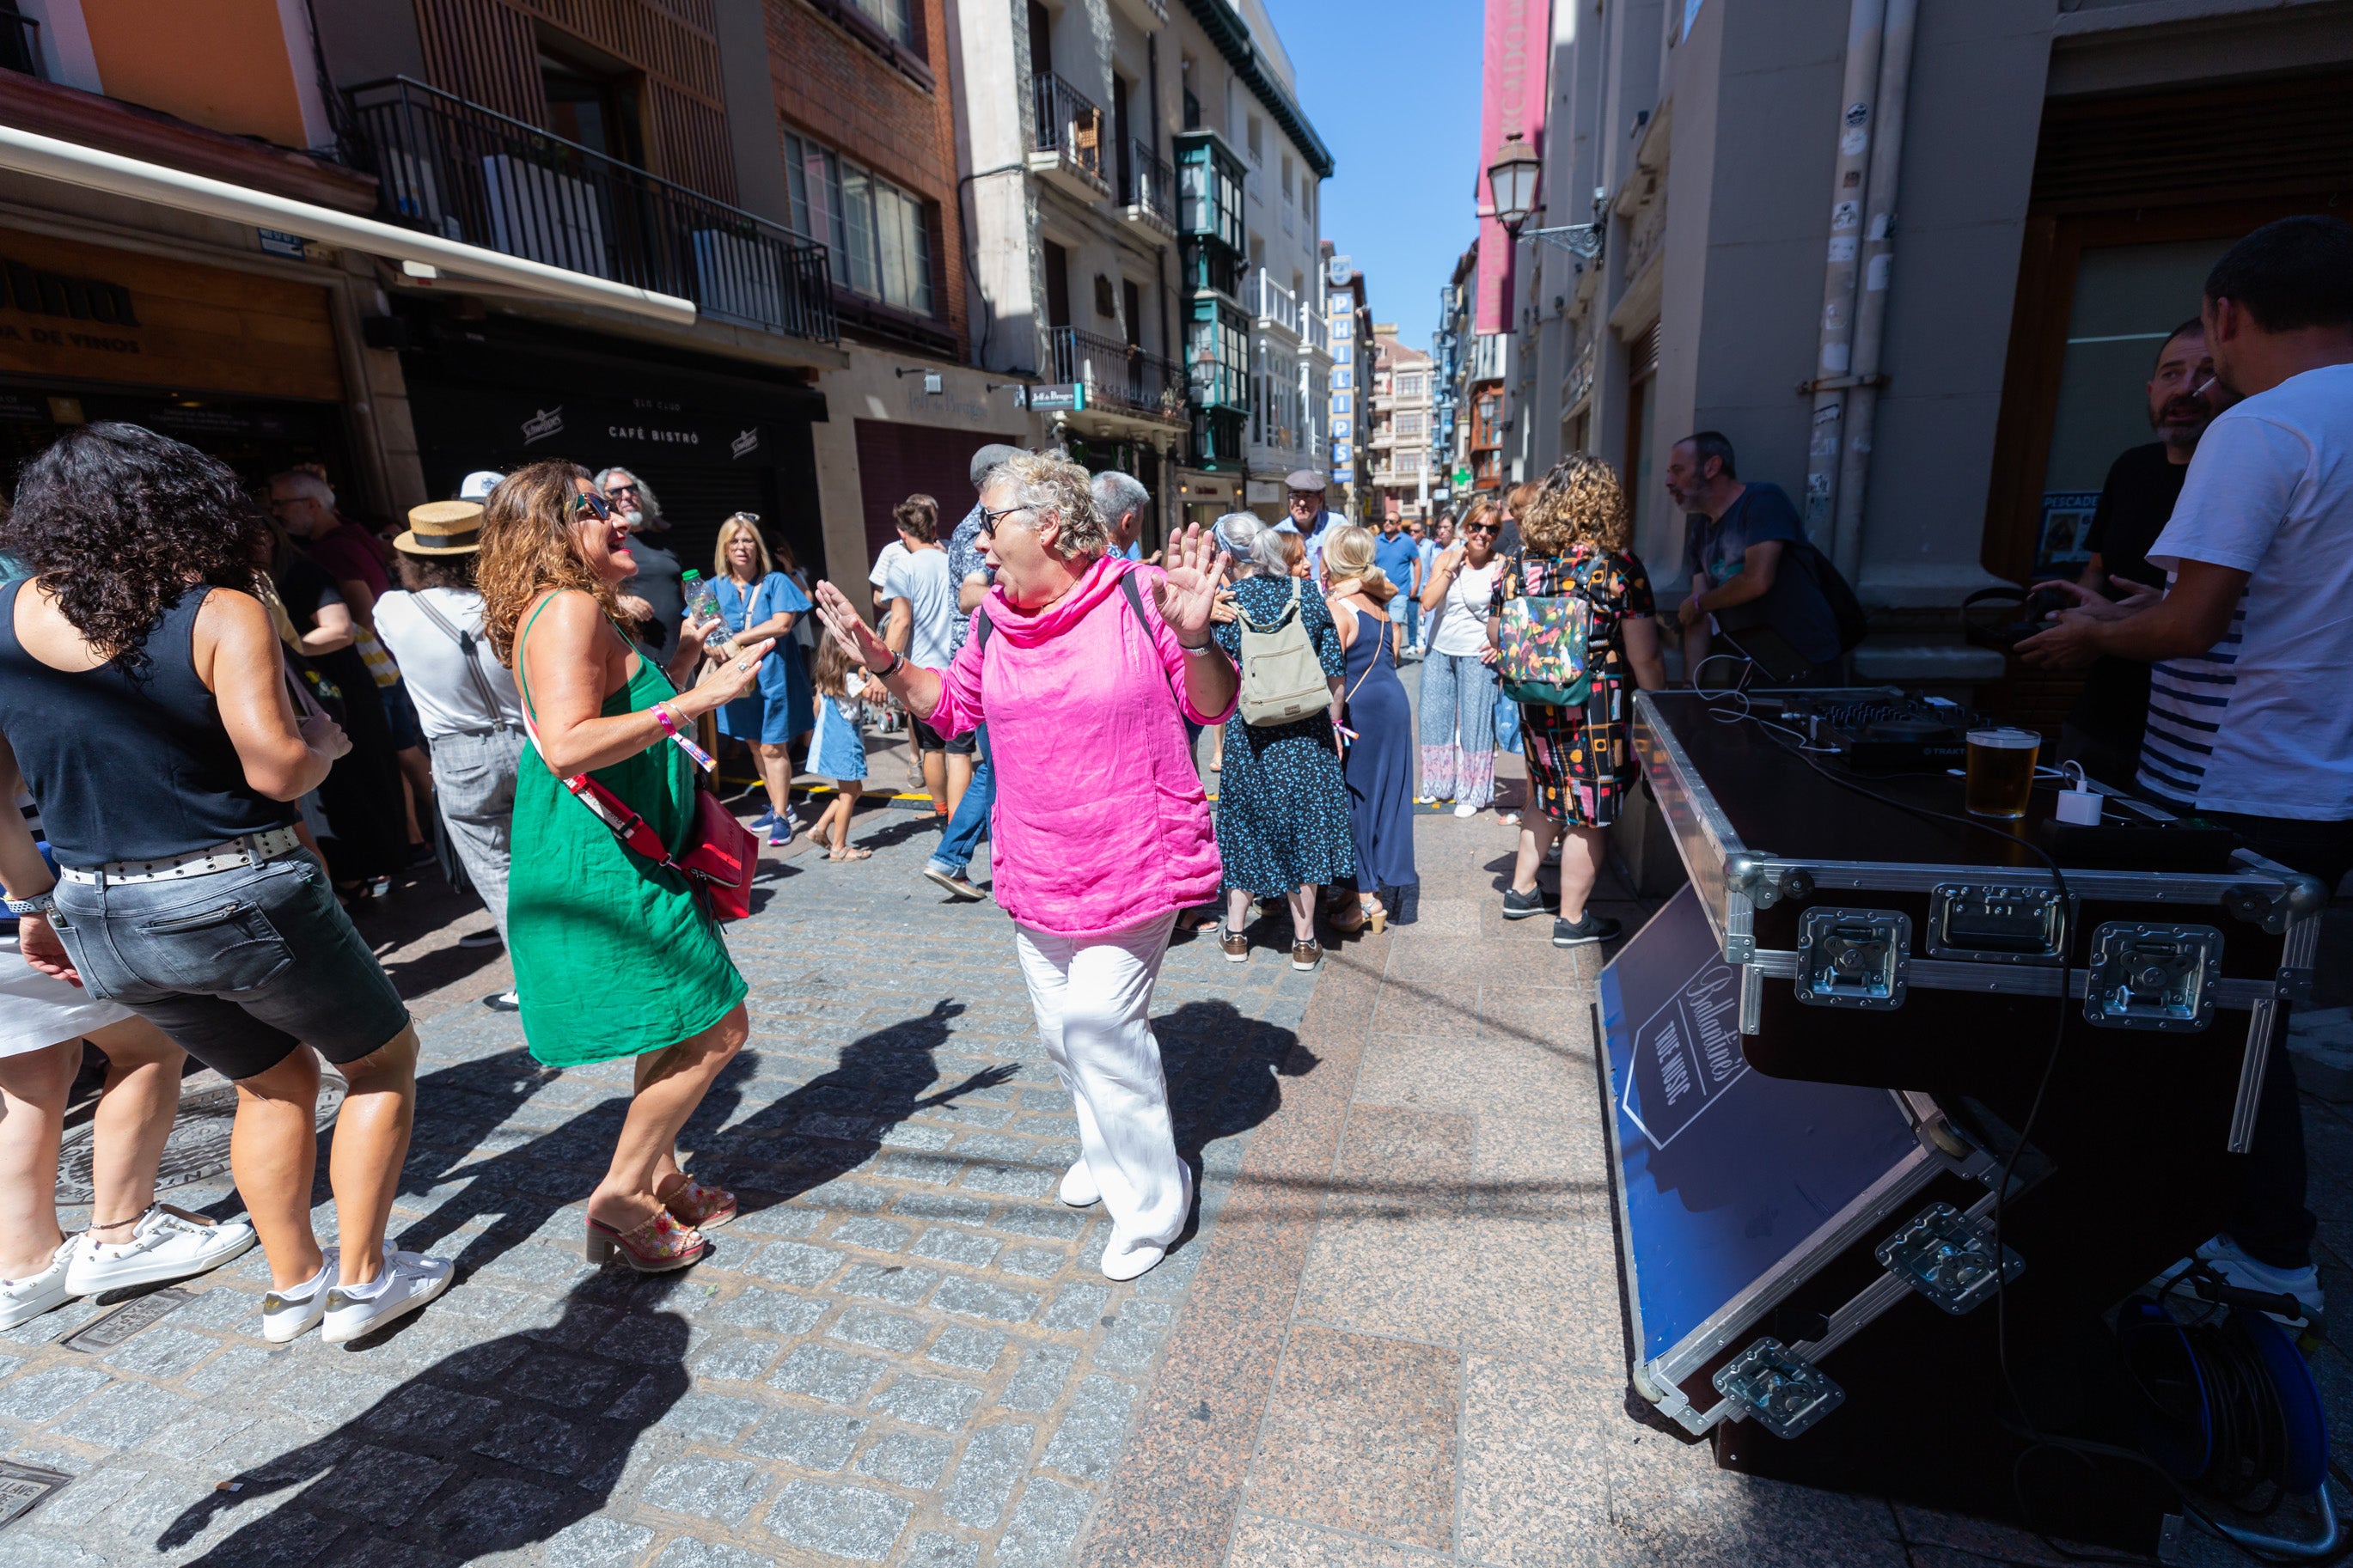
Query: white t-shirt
(922,578)
(2261,723)
(448,701)
(892,553)
(1462,626)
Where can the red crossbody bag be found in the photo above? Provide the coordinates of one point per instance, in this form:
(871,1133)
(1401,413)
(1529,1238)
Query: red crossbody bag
(721,853)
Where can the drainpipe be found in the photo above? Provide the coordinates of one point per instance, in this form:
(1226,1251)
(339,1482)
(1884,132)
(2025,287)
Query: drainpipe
(1878,261)
(1833,365)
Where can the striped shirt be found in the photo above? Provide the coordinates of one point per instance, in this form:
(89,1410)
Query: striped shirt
(2188,700)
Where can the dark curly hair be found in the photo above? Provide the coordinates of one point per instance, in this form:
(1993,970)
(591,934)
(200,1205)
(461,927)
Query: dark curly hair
(119,522)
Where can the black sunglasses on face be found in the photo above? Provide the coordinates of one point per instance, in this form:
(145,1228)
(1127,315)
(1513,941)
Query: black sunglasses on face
(618,486)
(1479,527)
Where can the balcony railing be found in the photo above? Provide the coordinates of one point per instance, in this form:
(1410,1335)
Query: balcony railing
(20,45)
(1069,123)
(1146,180)
(1317,331)
(1277,304)
(468,173)
(1116,374)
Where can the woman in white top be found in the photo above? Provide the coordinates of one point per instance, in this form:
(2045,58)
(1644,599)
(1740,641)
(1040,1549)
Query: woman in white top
(1458,684)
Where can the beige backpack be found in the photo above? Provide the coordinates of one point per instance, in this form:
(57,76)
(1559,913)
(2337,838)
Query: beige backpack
(1282,680)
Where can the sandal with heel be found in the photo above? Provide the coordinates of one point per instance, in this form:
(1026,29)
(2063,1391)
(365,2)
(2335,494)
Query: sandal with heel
(657,1246)
(698,1206)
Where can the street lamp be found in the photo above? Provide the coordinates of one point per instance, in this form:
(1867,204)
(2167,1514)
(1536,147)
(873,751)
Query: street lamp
(1512,184)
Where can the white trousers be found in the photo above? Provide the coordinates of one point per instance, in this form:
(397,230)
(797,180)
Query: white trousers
(1093,1001)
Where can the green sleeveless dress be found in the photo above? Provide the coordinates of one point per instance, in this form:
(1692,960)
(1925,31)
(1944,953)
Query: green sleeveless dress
(613,956)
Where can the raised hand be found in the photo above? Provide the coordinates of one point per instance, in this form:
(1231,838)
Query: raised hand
(849,629)
(1187,593)
(729,679)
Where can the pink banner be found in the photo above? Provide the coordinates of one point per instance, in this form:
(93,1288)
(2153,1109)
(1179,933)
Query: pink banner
(1519,41)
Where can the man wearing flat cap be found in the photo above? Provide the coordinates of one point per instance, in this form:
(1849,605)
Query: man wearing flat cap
(1308,517)
(466,699)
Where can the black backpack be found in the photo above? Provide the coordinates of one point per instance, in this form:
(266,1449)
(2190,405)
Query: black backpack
(1853,625)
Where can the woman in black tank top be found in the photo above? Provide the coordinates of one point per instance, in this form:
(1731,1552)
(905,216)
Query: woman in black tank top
(143,695)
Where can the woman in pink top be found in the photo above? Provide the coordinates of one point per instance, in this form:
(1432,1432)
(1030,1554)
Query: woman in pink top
(1085,666)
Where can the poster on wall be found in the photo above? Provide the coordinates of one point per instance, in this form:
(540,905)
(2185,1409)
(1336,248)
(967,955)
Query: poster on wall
(2064,547)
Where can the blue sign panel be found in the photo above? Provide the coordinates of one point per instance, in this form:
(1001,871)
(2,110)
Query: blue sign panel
(1723,1171)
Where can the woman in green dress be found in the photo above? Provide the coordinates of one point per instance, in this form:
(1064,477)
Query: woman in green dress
(614,956)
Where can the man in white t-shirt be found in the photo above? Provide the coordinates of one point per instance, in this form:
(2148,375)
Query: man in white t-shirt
(2252,641)
(923,625)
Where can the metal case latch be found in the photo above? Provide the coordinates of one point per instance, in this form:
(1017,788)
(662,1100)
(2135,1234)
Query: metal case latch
(1853,958)
(1995,924)
(2153,977)
(1947,1257)
(1783,1393)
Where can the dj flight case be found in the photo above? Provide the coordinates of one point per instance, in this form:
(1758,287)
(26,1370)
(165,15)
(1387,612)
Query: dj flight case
(1822,1053)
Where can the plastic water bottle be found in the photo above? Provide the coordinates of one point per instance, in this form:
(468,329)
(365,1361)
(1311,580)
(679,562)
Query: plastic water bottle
(702,605)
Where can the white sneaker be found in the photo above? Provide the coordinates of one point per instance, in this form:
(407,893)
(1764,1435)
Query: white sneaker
(287,1314)
(1125,1260)
(2222,1255)
(409,1280)
(1466,809)
(1080,1189)
(22,1301)
(168,1243)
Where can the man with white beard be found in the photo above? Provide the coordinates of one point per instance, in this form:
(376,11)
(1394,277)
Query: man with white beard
(653,595)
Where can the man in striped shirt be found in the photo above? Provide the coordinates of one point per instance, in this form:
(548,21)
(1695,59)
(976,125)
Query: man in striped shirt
(2249,723)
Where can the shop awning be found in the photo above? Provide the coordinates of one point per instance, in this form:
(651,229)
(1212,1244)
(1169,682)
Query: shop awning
(72,164)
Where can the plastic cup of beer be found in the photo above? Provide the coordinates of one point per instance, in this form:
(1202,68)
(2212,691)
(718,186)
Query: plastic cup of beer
(2002,772)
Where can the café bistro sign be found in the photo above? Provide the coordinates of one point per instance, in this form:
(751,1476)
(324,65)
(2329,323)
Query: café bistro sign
(634,427)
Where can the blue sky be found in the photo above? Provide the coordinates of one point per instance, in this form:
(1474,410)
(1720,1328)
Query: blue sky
(1392,86)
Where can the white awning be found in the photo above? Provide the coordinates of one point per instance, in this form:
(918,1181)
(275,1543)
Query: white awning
(73,165)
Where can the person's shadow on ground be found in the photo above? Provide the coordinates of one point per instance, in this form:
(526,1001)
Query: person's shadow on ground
(498,1446)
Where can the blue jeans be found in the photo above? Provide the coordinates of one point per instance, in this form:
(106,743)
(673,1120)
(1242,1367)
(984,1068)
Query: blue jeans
(971,819)
(1412,620)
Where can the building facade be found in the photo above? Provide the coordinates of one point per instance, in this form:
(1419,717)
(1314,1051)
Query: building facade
(1943,403)
(1401,433)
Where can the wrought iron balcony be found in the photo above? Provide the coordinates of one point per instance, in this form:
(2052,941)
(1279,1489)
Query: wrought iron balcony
(20,45)
(1069,137)
(468,173)
(1116,375)
(1147,184)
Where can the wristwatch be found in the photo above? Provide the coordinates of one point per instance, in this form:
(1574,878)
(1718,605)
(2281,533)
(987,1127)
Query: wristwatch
(39,904)
(890,670)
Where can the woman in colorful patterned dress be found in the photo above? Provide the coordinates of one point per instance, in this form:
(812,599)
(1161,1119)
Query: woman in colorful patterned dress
(1574,542)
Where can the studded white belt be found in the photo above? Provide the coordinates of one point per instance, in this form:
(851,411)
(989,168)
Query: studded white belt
(237,853)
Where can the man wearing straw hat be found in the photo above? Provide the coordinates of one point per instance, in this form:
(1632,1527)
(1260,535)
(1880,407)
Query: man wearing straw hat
(472,716)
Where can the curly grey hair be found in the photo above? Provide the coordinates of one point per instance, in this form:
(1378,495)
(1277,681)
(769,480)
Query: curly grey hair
(1254,543)
(1048,482)
(648,505)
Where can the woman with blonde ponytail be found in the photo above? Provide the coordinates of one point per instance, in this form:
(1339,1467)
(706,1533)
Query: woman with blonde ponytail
(1377,724)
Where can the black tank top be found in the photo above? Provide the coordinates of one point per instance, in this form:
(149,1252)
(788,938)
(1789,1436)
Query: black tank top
(125,768)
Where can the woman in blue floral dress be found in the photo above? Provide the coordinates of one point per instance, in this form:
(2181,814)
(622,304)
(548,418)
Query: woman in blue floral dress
(1282,801)
(1574,543)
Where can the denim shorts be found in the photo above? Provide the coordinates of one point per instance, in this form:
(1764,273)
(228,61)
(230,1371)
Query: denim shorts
(238,967)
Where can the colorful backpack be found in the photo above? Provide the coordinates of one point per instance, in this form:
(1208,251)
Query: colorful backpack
(1545,643)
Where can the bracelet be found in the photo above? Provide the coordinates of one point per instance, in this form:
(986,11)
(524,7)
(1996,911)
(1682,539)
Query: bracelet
(1202,652)
(890,670)
(663,717)
(39,904)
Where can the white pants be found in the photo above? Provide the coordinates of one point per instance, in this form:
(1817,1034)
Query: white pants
(1093,1000)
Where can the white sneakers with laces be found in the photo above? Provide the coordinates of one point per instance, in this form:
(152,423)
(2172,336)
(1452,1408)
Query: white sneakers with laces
(287,1314)
(22,1301)
(2222,1255)
(407,1282)
(168,1243)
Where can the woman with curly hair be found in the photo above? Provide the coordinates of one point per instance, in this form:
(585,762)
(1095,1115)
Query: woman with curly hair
(1086,666)
(143,696)
(1574,534)
(614,955)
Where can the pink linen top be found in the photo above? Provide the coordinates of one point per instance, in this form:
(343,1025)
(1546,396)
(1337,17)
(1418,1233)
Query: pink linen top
(1100,823)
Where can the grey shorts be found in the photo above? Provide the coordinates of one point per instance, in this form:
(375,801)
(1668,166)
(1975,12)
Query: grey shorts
(237,967)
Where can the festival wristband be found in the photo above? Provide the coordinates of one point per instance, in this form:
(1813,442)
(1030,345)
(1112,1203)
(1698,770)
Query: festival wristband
(670,727)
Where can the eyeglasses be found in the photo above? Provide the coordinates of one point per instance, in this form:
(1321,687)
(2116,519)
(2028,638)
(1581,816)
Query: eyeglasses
(989,519)
(744,517)
(619,486)
(589,500)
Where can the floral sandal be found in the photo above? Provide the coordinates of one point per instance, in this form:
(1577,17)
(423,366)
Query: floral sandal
(657,1246)
(706,1208)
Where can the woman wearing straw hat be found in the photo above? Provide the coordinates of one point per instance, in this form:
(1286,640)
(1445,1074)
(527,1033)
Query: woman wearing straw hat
(466,698)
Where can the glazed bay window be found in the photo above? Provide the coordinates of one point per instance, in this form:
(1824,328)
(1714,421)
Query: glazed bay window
(894,17)
(879,234)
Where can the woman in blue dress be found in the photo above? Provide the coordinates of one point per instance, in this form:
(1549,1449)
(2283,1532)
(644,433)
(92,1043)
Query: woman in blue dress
(1282,805)
(1380,765)
(759,602)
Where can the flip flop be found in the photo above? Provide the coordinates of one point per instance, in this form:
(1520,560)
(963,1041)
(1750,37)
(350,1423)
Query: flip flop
(853,854)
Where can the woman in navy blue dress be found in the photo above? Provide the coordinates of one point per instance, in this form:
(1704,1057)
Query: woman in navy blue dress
(1380,755)
(758,602)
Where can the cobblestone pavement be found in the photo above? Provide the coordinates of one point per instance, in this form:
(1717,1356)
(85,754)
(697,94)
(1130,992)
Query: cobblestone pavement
(902,1352)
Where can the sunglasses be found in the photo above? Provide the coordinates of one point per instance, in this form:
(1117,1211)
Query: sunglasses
(620,486)
(1479,527)
(589,500)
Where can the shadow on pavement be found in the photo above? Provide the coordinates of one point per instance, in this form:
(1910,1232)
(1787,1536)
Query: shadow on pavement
(438,1463)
